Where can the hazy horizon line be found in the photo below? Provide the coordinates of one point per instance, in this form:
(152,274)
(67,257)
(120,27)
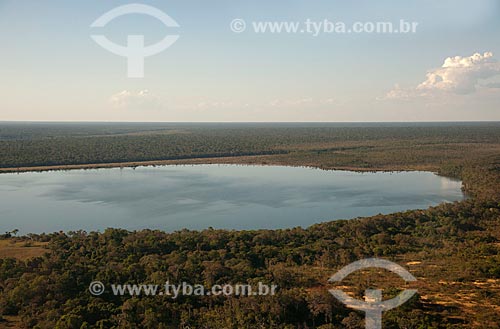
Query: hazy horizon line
(245,122)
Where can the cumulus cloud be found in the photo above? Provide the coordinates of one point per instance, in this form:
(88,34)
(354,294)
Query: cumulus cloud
(458,75)
(142,99)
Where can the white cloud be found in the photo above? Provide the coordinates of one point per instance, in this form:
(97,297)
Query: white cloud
(203,105)
(142,99)
(399,93)
(457,76)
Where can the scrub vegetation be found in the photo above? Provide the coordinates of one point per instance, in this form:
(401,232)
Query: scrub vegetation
(452,249)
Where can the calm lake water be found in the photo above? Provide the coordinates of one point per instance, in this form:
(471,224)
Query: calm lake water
(220,196)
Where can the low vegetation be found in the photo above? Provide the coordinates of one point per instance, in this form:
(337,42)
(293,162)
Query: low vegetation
(452,249)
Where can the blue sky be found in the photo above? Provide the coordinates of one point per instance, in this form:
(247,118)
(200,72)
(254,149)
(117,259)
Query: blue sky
(50,68)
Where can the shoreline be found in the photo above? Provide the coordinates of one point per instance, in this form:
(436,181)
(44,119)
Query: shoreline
(262,160)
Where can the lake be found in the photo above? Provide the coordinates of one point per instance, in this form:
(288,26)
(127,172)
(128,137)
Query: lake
(200,196)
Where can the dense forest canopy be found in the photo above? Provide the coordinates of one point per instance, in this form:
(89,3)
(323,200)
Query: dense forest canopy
(60,144)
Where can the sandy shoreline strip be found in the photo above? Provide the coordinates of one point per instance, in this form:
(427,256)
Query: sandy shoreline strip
(242,160)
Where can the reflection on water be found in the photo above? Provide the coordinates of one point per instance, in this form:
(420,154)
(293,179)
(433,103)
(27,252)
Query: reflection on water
(220,196)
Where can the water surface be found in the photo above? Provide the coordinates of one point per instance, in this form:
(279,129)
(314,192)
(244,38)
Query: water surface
(201,196)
